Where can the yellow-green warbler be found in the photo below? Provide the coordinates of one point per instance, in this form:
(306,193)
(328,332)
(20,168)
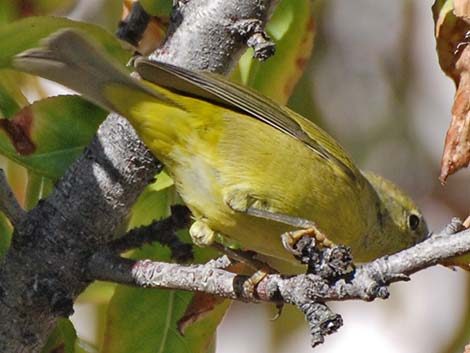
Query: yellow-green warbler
(238,159)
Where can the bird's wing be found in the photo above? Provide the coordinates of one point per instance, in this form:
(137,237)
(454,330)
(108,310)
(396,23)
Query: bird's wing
(225,93)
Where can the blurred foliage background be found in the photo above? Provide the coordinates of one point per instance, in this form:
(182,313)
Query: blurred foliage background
(374,83)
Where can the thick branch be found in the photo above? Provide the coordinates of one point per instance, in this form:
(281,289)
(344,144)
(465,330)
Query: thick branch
(42,273)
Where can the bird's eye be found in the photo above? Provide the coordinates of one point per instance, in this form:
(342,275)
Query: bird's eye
(413,221)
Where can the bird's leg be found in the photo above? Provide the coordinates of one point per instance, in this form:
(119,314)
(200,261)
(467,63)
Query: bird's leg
(203,235)
(245,256)
(290,239)
(262,269)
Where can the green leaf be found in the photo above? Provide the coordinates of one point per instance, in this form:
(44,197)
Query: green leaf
(157,7)
(143,320)
(27,33)
(11,97)
(97,293)
(163,182)
(47,187)
(5,235)
(153,203)
(292,29)
(47,136)
(62,338)
(33,190)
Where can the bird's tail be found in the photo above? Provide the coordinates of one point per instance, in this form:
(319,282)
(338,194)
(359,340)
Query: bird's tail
(69,58)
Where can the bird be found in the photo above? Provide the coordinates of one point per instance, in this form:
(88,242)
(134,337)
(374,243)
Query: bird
(248,168)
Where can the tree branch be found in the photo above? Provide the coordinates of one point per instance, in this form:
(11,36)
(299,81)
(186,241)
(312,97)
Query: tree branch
(162,231)
(308,291)
(227,19)
(42,273)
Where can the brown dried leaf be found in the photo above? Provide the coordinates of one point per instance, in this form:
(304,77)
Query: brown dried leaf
(201,305)
(452,25)
(18,129)
(456,153)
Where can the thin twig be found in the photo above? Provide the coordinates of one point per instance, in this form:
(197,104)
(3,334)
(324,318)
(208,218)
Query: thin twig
(256,38)
(8,203)
(161,231)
